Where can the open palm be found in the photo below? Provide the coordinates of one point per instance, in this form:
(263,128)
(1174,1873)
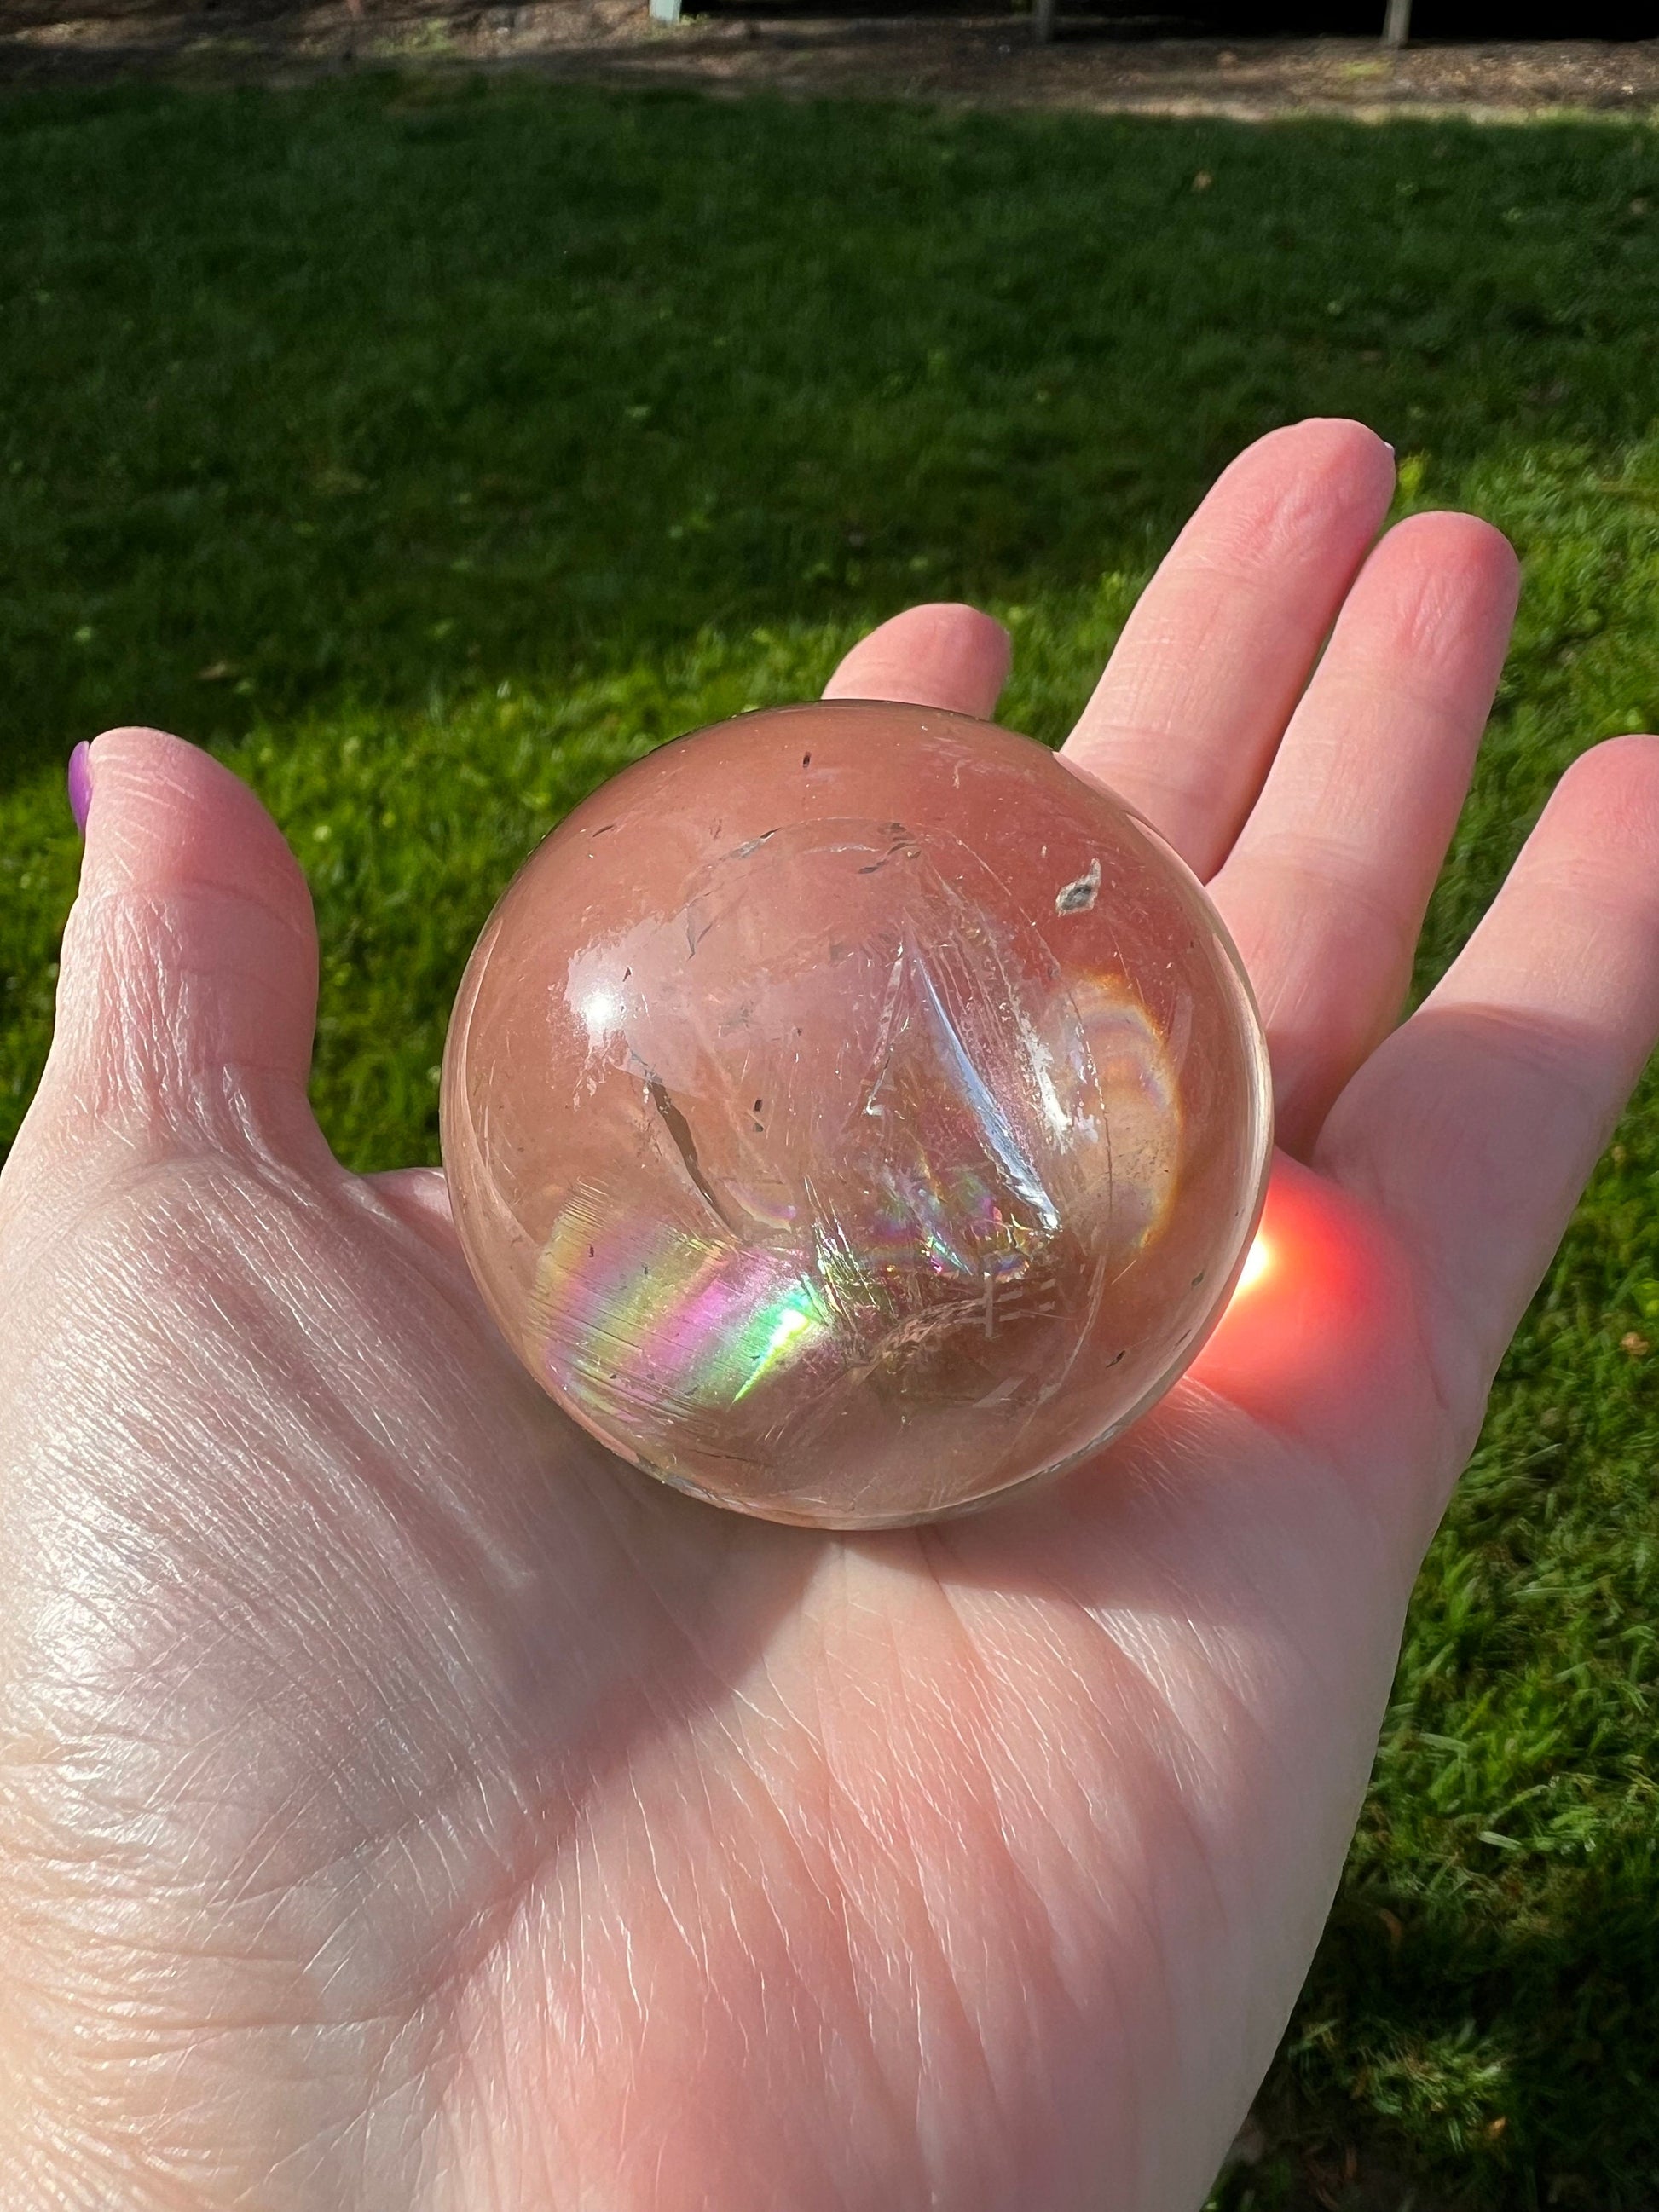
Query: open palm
(402,1805)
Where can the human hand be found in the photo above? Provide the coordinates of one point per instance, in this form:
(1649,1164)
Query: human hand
(404,1807)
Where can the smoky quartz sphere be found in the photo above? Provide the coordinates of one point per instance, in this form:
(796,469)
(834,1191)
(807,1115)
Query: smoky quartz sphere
(851,1111)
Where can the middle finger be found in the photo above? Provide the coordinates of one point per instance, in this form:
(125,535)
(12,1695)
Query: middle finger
(1325,890)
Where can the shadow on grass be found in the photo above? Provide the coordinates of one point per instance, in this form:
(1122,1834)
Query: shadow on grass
(382,386)
(1473,2049)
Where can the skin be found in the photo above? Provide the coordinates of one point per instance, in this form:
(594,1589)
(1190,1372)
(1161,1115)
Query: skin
(402,1806)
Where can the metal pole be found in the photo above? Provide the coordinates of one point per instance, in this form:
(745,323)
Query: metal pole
(1398,27)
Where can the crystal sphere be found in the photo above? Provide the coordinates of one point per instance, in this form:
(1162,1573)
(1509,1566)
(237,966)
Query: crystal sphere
(851,1111)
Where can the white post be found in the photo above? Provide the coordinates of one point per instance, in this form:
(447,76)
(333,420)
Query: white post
(1398,27)
(664,11)
(1042,19)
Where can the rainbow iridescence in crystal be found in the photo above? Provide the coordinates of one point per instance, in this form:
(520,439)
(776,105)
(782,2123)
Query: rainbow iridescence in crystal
(851,1112)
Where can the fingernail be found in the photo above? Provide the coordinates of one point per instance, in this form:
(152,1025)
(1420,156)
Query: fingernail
(80,784)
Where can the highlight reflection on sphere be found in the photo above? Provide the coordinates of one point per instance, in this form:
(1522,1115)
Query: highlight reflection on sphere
(850,1112)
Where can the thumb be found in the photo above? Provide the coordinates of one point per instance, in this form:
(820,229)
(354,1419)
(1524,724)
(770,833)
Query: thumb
(188,988)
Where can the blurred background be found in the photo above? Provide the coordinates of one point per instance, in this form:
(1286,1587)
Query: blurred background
(431,431)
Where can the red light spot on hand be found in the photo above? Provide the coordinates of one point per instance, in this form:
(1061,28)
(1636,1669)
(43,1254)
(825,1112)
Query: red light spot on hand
(1321,1315)
(1256,1268)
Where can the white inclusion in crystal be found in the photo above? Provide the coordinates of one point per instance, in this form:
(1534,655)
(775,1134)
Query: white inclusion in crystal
(883,1053)
(1079,897)
(1041,1061)
(1005,1146)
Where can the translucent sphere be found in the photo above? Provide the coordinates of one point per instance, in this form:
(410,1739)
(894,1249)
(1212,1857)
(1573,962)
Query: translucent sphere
(851,1111)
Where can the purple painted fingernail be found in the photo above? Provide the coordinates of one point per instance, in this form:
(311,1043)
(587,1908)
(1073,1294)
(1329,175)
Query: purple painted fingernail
(80,784)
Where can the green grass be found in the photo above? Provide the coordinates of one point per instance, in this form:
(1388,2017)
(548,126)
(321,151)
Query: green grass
(432,447)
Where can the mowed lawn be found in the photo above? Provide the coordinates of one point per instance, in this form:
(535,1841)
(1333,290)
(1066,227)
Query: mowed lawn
(432,447)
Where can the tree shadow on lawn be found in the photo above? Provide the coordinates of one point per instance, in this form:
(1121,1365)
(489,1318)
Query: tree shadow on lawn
(379,388)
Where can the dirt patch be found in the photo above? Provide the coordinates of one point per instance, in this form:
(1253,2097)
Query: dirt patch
(982,59)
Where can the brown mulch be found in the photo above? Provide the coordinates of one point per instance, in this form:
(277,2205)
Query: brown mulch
(976,57)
